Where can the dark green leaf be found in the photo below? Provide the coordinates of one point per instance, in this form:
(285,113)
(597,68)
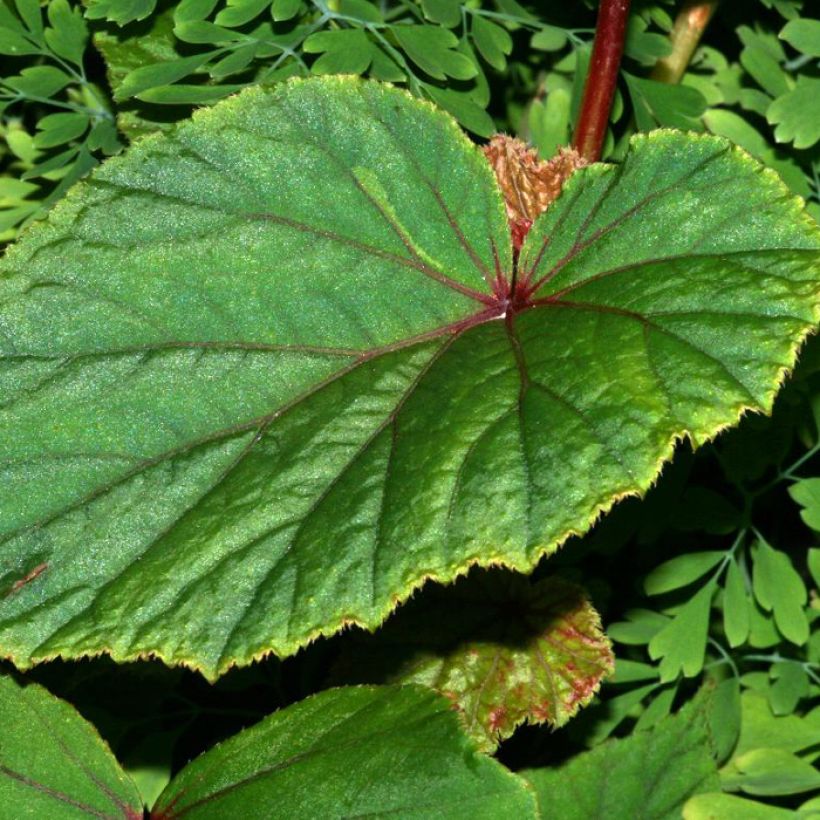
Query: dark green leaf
(357,751)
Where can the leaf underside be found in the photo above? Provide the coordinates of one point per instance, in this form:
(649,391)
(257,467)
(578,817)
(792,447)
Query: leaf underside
(503,649)
(262,376)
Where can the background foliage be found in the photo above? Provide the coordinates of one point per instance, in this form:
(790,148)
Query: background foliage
(713,578)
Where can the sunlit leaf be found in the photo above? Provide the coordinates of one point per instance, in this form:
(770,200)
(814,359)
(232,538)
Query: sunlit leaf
(264,375)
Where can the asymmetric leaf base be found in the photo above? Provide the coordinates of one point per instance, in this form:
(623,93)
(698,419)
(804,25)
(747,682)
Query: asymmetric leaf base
(262,376)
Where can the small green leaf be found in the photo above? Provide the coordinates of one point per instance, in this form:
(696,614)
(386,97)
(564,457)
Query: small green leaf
(549,122)
(344,51)
(780,589)
(461,105)
(719,806)
(760,728)
(15,44)
(804,35)
(772,772)
(492,41)
(724,713)
(791,684)
(201,32)
(681,644)
(432,49)
(445,12)
(735,606)
(120,12)
(649,774)
(53,763)
(627,671)
(68,33)
(183,94)
(188,11)
(356,751)
(814,565)
(239,12)
(58,129)
(30,13)
(549,38)
(39,81)
(796,114)
(681,571)
(503,649)
(661,104)
(659,707)
(640,627)
(151,76)
(283,10)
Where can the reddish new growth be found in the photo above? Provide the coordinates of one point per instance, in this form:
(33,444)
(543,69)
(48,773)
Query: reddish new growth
(528,184)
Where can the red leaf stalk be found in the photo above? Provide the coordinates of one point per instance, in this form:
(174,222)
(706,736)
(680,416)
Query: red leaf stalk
(599,89)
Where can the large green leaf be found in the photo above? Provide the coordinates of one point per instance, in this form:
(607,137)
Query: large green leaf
(53,763)
(650,774)
(503,649)
(263,376)
(350,752)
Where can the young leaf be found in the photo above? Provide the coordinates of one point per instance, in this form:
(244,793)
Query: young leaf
(681,571)
(431,48)
(649,774)
(502,649)
(258,372)
(54,764)
(356,751)
(681,644)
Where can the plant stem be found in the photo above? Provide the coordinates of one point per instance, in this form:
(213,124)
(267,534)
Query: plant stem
(599,89)
(689,26)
